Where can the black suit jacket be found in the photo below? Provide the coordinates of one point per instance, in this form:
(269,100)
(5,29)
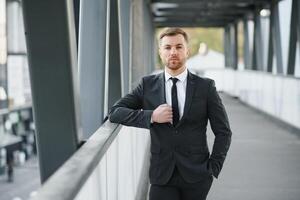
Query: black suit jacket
(184,145)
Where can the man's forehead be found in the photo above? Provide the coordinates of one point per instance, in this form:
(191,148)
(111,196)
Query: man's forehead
(173,40)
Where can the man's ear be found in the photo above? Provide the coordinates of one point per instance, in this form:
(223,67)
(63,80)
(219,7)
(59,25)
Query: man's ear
(159,51)
(188,52)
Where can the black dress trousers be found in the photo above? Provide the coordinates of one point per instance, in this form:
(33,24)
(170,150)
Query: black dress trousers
(178,189)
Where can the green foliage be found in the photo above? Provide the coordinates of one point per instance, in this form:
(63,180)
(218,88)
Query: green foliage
(213,37)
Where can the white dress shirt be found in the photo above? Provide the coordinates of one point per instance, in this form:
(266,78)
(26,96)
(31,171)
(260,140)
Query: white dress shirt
(181,89)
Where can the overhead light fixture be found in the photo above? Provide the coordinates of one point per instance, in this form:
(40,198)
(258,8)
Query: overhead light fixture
(156,6)
(165,5)
(265,13)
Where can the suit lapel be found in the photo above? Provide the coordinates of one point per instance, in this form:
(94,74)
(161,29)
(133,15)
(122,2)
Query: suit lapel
(189,95)
(161,89)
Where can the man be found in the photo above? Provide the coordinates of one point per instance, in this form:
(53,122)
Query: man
(176,106)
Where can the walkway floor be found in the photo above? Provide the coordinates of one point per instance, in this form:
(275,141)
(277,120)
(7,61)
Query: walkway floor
(26,180)
(263,162)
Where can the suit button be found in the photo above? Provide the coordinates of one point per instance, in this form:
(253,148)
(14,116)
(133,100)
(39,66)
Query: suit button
(176,132)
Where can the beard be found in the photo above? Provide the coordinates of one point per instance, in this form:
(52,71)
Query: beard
(174,64)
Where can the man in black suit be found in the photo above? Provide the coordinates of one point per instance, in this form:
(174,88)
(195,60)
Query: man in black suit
(176,106)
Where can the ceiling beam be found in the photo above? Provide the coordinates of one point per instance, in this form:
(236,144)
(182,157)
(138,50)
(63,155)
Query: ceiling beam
(212,1)
(188,24)
(199,17)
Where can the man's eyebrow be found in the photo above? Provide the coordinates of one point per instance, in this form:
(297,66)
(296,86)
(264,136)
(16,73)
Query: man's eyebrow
(180,44)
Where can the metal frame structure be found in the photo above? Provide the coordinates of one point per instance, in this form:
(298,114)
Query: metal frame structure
(115,48)
(91,61)
(51,44)
(247,55)
(275,40)
(294,37)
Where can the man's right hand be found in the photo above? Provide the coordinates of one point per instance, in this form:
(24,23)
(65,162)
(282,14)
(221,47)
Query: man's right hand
(162,114)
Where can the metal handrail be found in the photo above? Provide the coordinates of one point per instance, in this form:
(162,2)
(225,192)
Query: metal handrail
(67,181)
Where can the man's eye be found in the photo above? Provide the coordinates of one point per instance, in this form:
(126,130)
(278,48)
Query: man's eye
(179,47)
(168,48)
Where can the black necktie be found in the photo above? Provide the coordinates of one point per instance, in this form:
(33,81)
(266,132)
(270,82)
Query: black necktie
(175,102)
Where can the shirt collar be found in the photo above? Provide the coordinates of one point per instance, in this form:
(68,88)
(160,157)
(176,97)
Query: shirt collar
(182,77)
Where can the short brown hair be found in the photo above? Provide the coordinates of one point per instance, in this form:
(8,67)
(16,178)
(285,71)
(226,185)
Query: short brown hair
(173,32)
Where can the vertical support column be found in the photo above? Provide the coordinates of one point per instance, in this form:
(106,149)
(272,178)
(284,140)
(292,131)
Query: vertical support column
(294,30)
(124,26)
(91,59)
(298,22)
(148,33)
(146,38)
(136,63)
(138,45)
(76,16)
(51,43)
(3,56)
(247,56)
(234,47)
(254,60)
(151,38)
(153,48)
(258,42)
(227,46)
(230,46)
(114,70)
(270,48)
(275,39)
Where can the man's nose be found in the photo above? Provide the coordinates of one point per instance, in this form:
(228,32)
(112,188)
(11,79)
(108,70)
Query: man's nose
(173,51)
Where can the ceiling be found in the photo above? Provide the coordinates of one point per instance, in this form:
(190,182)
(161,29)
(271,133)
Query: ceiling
(203,13)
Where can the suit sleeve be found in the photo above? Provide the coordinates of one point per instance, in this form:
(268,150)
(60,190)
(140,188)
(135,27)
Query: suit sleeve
(129,110)
(220,126)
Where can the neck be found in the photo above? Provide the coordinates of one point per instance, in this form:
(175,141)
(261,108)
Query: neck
(175,72)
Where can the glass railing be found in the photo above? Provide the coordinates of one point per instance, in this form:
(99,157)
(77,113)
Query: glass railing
(112,164)
(276,95)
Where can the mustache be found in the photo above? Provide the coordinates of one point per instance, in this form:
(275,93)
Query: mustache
(174,57)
